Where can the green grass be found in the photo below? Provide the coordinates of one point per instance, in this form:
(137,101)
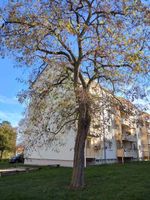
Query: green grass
(107,182)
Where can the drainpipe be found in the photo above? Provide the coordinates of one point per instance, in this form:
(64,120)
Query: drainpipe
(122,146)
(104,143)
(85,154)
(104,140)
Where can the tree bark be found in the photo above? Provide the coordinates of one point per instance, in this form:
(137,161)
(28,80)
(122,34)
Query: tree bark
(84,120)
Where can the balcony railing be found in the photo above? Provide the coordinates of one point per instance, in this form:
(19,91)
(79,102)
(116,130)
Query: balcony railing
(120,153)
(130,153)
(126,153)
(127,137)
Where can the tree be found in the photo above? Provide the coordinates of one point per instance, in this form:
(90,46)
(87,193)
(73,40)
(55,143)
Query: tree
(7,138)
(90,40)
(5,122)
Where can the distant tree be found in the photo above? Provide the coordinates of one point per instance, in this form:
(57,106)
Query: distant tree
(102,41)
(2,145)
(5,122)
(7,138)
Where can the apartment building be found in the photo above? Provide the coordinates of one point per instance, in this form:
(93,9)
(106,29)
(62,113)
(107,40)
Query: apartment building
(127,139)
(123,139)
(116,135)
(118,142)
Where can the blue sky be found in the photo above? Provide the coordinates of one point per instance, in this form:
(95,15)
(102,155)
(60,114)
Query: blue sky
(10,108)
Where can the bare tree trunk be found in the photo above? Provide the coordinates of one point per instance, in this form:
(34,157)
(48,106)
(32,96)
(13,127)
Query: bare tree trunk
(84,120)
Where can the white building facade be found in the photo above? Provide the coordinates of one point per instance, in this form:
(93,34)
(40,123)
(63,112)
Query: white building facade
(117,138)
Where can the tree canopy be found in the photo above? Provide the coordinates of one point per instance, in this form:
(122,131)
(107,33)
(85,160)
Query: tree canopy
(7,139)
(108,39)
(102,41)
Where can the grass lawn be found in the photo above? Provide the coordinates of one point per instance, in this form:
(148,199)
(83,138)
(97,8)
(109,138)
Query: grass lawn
(107,182)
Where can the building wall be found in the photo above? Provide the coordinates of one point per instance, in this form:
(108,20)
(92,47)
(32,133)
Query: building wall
(104,141)
(145,136)
(59,152)
(101,149)
(49,162)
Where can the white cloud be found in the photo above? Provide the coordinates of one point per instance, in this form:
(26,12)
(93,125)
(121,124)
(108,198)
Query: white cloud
(7,100)
(12,117)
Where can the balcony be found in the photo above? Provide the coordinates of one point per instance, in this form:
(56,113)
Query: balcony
(126,153)
(120,152)
(146,154)
(90,153)
(130,153)
(126,121)
(128,137)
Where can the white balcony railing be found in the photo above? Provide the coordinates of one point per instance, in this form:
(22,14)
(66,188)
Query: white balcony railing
(127,153)
(128,137)
(130,153)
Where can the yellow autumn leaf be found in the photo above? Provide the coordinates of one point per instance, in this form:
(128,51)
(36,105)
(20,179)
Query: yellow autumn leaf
(109,30)
(69,28)
(137,68)
(133,57)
